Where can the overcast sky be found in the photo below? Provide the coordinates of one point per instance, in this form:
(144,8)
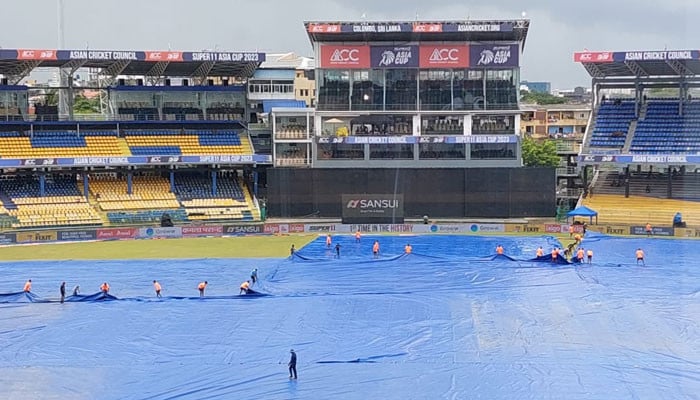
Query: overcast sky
(558,27)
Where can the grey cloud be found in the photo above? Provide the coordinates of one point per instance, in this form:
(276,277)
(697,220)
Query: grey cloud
(558,28)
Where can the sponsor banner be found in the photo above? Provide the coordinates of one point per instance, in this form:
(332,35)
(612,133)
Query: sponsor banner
(656,230)
(38,236)
(494,55)
(593,57)
(611,229)
(117,233)
(77,235)
(366,207)
(323,28)
(382,228)
(562,228)
(658,55)
(319,228)
(101,160)
(394,56)
(244,229)
(296,228)
(276,229)
(374,27)
(419,27)
(37,55)
(486,228)
(167,56)
(121,161)
(467,228)
(524,228)
(345,57)
(115,55)
(163,159)
(7,238)
(686,232)
(160,232)
(514,228)
(477,27)
(444,56)
(427,27)
(223,56)
(101,55)
(189,231)
(419,139)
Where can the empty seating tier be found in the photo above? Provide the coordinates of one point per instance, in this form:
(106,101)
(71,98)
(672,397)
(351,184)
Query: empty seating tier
(664,129)
(612,123)
(637,210)
(175,142)
(59,144)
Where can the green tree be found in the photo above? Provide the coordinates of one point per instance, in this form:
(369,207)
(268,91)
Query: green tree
(539,154)
(83,105)
(540,98)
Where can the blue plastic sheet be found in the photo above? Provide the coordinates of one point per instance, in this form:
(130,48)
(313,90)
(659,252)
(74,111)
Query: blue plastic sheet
(451,320)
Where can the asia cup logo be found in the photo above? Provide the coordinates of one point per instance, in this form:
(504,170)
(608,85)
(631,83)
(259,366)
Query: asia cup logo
(388,58)
(499,55)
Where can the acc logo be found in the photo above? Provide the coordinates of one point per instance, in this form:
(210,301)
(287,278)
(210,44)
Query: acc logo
(433,228)
(345,55)
(442,55)
(586,57)
(474,228)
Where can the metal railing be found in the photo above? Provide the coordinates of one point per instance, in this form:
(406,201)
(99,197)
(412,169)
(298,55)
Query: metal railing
(567,171)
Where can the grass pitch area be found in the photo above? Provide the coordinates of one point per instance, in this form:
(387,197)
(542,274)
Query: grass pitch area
(222,247)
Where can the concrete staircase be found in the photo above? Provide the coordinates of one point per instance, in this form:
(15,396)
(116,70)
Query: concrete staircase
(124,147)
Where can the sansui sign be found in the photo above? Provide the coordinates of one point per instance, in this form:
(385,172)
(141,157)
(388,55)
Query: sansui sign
(345,57)
(372,208)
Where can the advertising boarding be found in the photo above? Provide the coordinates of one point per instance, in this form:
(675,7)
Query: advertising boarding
(372,208)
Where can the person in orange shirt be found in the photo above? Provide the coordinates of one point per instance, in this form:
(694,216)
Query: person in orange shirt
(648,229)
(375,249)
(577,238)
(539,252)
(104,287)
(329,241)
(245,287)
(202,286)
(555,254)
(579,254)
(407,248)
(157,288)
(589,254)
(28,286)
(640,256)
(499,250)
(571,231)
(358,235)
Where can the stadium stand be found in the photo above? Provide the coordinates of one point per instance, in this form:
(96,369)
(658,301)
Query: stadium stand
(59,144)
(187,142)
(638,210)
(665,130)
(232,200)
(62,204)
(612,123)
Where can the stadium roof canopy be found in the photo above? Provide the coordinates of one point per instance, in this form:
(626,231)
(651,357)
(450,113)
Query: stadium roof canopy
(17,63)
(640,64)
(408,31)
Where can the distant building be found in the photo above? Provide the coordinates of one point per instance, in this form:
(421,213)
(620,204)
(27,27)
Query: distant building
(537,87)
(554,121)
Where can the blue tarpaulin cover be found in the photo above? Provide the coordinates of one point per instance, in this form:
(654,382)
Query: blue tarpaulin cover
(451,321)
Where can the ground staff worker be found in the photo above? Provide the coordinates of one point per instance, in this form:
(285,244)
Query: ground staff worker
(201,287)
